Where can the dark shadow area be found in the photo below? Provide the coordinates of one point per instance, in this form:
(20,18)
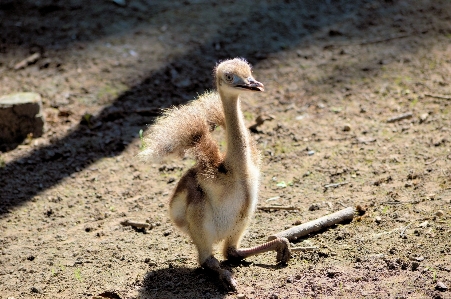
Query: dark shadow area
(180,283)
(191,283)
(265,29)
(58,24)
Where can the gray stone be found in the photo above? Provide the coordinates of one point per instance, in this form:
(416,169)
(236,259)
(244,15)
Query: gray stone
(20,115)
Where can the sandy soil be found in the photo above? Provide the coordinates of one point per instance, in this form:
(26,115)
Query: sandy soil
(335,72)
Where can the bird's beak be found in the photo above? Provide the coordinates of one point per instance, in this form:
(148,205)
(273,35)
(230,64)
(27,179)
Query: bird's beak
(253,85)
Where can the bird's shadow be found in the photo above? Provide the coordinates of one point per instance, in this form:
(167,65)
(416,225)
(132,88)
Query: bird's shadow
(181,282)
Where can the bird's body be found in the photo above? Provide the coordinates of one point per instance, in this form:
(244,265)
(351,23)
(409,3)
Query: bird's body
(215,200)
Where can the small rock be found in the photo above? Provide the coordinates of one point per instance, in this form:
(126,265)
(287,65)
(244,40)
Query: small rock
(314,207)
(35,290)
(240,296)
(346,128)
(423,224)
(439,213)
(149,262)
(274,296)
(378,219)
(20,116)
(420,258)
(167,233)
(441,286)
(310,153)
(424,117)
(414,266)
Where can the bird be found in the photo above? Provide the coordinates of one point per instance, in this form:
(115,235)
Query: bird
(215,199)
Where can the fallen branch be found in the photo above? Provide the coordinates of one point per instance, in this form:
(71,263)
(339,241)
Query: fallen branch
(287,208)
(315,225)
(438,96)
(135,224)
(400,117)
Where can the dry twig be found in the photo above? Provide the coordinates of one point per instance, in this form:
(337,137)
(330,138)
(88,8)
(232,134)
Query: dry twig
(335,185)
(430,162)
(403,231)
(438,96)
(27,61)
(400,117)
(287,208)
(135,224)
(315,225)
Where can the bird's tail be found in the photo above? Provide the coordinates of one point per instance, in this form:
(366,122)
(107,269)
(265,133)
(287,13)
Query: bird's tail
(186,128)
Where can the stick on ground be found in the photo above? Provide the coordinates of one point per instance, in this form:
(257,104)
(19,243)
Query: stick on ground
(400,117)
(287,208)
(437,96)
(315,225)
(135,224)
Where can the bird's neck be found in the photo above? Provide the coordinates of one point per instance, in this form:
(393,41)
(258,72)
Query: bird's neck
(238,155)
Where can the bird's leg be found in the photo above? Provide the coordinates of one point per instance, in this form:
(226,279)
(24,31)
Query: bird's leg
(280,245)
(212,264)
(204,245)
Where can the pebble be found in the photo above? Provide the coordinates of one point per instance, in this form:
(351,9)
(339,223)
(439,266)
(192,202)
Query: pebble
(378,219)
(423,224)
(314,207)
(420,258)
(441,286)
(240,296)
(346,128)
(310,153)
(414,266)
(424,117)
(439,213)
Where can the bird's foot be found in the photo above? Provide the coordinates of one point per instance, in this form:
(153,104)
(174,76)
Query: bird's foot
(225,276)
(283,250)
(227,280)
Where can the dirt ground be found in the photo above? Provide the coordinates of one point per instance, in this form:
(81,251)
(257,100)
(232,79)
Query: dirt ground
(335,73)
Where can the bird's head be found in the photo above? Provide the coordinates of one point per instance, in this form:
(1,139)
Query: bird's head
(235,76)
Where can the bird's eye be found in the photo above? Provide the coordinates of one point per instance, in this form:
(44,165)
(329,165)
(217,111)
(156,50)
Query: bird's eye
(228,77)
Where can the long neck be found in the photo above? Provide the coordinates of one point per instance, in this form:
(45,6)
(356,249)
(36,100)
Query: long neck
(238,151)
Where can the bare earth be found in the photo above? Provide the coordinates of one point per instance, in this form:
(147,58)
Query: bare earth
(335,72)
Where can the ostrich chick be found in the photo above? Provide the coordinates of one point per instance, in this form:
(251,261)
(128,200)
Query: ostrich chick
(215,200)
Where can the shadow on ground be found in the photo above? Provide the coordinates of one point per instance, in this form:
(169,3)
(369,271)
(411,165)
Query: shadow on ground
(180,283)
